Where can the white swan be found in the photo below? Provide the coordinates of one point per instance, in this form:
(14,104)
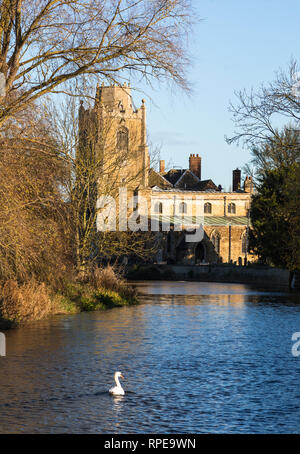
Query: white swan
(117,390)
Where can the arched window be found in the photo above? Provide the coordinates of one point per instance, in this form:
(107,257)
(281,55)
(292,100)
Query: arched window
(200,253)
(207,207)
(244,243)
(216,239)
(182,208)
(159,208)
(122,139)
(231,208)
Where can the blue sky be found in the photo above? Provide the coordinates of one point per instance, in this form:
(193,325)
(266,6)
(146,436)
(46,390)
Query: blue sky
(238,44)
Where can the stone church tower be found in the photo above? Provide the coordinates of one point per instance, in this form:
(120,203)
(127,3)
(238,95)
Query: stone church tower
(113,136)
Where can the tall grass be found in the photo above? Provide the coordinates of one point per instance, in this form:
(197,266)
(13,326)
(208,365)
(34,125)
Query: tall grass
(25,302)
(109,278)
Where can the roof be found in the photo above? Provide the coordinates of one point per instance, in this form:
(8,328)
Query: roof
(158,180)
(208,220)
(187,180)
(173,175)
(226,220)
(180,179)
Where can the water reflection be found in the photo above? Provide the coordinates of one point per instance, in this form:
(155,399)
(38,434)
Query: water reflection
(197,358)
(118,402)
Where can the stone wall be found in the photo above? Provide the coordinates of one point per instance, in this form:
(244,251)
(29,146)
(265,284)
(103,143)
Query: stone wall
(260,276)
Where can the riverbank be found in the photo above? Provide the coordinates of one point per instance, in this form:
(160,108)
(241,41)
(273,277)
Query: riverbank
(84,298)
(260,275)
(30,301)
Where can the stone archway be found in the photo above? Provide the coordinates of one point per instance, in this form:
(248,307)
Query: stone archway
(200,253)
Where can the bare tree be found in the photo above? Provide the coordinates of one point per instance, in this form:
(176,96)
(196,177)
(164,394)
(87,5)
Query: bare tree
(274,153)
(90,175)
(46,43)
(33,234)
(268,121)
(260,115)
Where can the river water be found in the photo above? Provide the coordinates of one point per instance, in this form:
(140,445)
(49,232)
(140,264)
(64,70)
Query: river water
(197,358)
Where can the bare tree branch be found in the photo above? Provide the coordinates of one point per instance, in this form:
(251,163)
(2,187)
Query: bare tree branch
(46,43)
(259,116)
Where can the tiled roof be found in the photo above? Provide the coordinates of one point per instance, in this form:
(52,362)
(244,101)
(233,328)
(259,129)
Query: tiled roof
(173,175)
(225,220)
(180,179)
(208,220)
(187,180)
(156,179)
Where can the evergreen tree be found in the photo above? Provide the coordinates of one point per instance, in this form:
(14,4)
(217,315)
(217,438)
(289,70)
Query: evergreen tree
(275,218)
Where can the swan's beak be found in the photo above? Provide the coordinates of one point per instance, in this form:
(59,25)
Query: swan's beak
(122,377)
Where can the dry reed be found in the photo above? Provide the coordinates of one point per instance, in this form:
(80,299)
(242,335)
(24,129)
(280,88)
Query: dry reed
(25,302)
(109,279)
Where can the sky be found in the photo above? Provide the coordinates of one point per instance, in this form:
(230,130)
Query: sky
(236,45)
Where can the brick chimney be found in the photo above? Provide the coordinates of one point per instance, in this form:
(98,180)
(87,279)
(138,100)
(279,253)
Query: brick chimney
(248,185)
(195,165)
(236,180)
(161,166)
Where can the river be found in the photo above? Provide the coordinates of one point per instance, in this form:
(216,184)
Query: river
(197,358)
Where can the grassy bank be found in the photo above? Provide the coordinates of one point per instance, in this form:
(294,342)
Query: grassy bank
(99,290)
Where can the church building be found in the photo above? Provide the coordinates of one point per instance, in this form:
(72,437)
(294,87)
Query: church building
(115,134)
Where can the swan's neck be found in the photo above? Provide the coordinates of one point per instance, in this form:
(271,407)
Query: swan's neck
(117,382)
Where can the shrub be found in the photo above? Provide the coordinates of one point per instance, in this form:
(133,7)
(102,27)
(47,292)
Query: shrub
(24,302)
(109,279)
(101,289)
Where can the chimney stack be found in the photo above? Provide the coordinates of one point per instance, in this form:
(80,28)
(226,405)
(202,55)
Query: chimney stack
(236,180)
(248,185)
(161,166)
(195,165)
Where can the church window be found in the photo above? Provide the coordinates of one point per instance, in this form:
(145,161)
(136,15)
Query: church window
(207,207)
(182,208)
(159,208)
(215,239)
(231,208)
(122,139)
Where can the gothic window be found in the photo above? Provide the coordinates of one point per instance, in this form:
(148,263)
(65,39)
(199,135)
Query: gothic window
(182,208)
(122,139)
(200,253)
(159,208)
(244,243)
(207,207)
(215,239)
(231,208)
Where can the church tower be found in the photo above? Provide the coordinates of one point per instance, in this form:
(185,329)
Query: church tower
(115,134)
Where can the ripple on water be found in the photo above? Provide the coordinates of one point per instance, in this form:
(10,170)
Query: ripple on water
(196,357)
